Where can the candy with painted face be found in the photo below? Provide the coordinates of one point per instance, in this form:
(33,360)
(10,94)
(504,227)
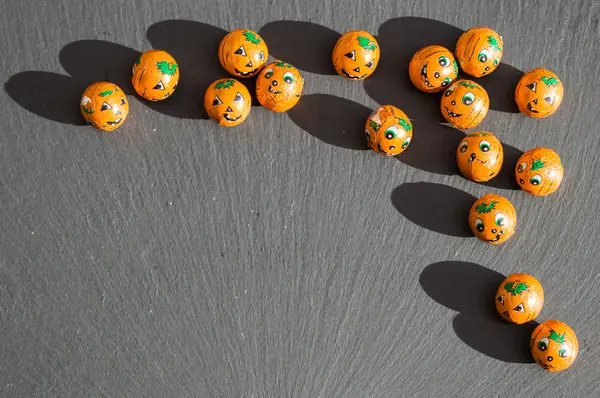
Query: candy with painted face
(243,53)
(480,156)
(465,104)
(539,171)
(388,131)
(539,93)
(104,105)
(279,86)
(479,51)
(356,55)
(155,75)
(493,219)
(519,298)
(227,102)
(554,345)
(432,69)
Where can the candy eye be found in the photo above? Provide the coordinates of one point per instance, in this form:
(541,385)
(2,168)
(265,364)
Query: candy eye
(564,351)
(468,98)
(288,77)
(479,225)
(483,55)
(501,299)
(123,101)
(406,143)
(159,86)
(535,180)
(217,101)
(370,64)
(484,146)
(238,98)
(268,73)
(499,219)
(549,100)
(449,91)
(446,81)
(542,345)
(261,56)
(519,308)
(351,55)
(105,106)
(532,86)
(444,61)
(391,132)
(240,51)
(522,166)
(368,135)
(495,62)
(464,146)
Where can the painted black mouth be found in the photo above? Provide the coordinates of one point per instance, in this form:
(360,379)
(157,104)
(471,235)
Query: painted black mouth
(531,109)
(452,114)
(424,75)
(496,239)
(349,76)
(273,91)
(543,365)
(115,122)
(239,72)
(474,157)
(231,119)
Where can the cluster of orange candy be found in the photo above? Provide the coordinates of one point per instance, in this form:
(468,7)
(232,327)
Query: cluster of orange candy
(388,130)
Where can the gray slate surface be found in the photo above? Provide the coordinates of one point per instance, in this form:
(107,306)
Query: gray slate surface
(175,258)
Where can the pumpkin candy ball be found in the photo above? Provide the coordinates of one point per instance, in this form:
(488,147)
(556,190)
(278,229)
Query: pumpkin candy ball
(480,156)
(465,104)
(539,93)
(243,53)
(479,51)
(539,171)
(279,86)
(554,345)
(104,105)
(227,102)
(155,75)
(356,55)
(493,219)
(388,131)
(519,298)
(432,68)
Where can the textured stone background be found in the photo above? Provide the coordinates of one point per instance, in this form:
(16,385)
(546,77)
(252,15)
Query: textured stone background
(175,258)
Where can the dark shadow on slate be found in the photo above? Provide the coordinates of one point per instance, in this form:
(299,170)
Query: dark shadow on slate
(50,95)
(399,38)
(333,120)
(506,177)
(436,207)
(307,46)
(470,289)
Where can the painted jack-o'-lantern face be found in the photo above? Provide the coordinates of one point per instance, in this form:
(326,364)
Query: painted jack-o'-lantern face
(243,53)
(465,104)
(519,298)
(539,93)
(388,131)
(279,86)
(480,156)
(493,219)
(432,69)
(227,102)
(155,75)
(554,345)
(479,51)
(356,55)
(539,171)
(104,105)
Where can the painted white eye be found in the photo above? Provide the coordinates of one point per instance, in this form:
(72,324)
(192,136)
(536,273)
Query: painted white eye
(406,142)
(351,55)
(564,351)
(238,98)
(519,308)
(261,56)
(391,132)
(484,146)
(501,299)
(535,180)
(159,86)
(105,106)
(268,73)
(240,51)
(217,101)
(522,166)
(370,64)
(499,219)
(449,91)
(479,225)
(288,77)
(464,146)
(542,345)
(484,55)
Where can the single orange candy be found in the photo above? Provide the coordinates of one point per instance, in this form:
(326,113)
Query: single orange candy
(243,53)
(356,55)
(479,51)
(104,105)
(519,298)
(539,93)
(465,104)
(493,219)
(155,75)
(554,345)
(279,86)
(227,102)
(539,171)
(480,156)
(432,69)
(388,131)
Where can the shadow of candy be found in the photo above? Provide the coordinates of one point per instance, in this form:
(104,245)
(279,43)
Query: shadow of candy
(470,289)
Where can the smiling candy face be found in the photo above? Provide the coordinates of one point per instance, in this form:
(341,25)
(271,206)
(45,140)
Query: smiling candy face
(519,298)
(479,51)
(356,55)
(279,86)
(155,75)
(243,53)
(480,156)
(104,105)
(539,93)
(432,69)
(493,219)
(227,102)
(388,131)
(539,171)
(465,104)
(554,345)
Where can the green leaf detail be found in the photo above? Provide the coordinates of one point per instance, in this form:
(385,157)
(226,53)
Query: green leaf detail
(167,69)
(374,125)
(480,134)
(282,64)
(537,164)
(89,111)
(455,68)
(251,37)
(468,85)
(494,43)
(138,60)
(550,81)
(485,208)
(224,84)
(405,125)
(105,93)
(365,43)
(559,338)
(519,289)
